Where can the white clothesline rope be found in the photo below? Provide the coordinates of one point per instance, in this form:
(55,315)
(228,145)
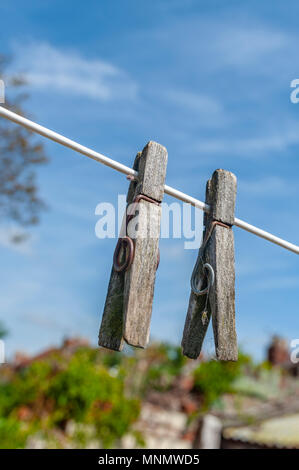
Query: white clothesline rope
(60,139)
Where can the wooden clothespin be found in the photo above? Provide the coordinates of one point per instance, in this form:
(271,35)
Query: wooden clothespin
(128,307)
(213,278)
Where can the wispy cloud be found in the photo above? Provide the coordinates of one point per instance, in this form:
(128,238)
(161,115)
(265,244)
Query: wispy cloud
(248,147)
(214,43)
(194,101)
(206,109)
(249,267)
(270,185)
(247,46)
(52,69)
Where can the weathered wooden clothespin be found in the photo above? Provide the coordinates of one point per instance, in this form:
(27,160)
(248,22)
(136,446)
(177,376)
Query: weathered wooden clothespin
(128,307)
(213,278)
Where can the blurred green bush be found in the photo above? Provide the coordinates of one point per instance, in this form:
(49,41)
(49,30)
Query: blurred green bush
(214,378)
(52,392)
(85,397)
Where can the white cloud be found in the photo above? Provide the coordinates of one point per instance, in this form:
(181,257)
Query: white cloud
(248,147)
(271,185)
(209,44)
(52,69)
(206,109)
(249,45)
(71,209)
(195,101)
(249,266)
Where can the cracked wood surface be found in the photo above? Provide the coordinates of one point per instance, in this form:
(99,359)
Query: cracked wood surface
(128,306)
(219,253)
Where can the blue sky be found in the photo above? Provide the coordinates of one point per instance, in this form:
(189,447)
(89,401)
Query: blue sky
(210,80)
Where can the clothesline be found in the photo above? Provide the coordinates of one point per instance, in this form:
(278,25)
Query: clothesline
(34,127)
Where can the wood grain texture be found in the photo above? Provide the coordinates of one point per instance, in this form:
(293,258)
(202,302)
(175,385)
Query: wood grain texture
(128,306)
(140,278)
(220,195)
(152,171)
(111,329)
(196,324)
(220,254)
(223,196)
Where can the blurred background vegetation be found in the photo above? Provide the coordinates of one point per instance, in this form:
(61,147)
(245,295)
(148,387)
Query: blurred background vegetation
(78,396)
(20,154)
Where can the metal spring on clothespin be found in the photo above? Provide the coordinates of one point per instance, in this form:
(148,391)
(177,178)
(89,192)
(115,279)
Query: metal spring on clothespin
(213,278)
(128,305)
(206,267)
(126,243)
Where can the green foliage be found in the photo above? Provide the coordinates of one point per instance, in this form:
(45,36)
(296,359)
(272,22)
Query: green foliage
(84,392)
(90,395)
(20,155)
(12,436)
(214,378)
(264,366)
(52,392)
(166,362)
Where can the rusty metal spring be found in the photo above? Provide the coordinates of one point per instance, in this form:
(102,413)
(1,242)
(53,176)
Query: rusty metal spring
(205,266)
(125,245)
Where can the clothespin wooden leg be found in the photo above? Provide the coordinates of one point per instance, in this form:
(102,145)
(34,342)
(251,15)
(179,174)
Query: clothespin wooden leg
(140,278)
(111,330)
(128,307)
(198,317)
(219,254)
